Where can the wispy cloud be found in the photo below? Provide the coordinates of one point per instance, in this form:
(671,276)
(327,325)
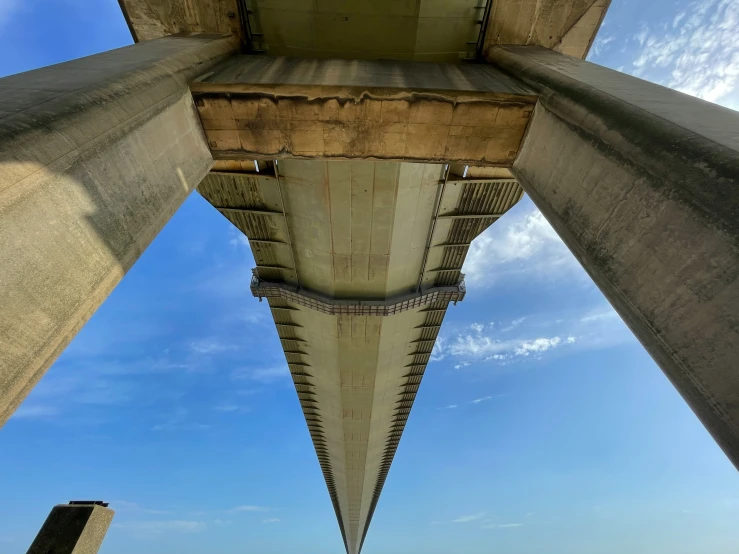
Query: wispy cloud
(35,411)
(143,528)
(532,337)
(697,53)
(522,246)
(268,374)
(449,407)
(231,409)
(489,347)
(502,525)
(211,346)
(271,520)
(179,420)
(467,519)
(249,508)
(125,505)
(478,400)
(601,44)
(438,351)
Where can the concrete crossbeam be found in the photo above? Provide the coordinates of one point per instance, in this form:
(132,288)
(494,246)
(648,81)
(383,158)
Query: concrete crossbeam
(254,107)
(96,155)
(641,182)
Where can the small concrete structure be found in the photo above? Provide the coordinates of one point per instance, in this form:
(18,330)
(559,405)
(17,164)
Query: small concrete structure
(75,528)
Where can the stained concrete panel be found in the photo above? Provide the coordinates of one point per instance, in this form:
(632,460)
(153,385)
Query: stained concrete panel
(96,155)
(566,26)
(279,107)
(641,182)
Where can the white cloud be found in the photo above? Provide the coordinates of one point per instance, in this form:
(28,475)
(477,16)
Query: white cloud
(161,526)
(478,400)
(271,520)
(513,324)
(239,240)
(601,43)
(211,346)
(125,505)
(522,245)
(248,508)
(610,313)
(231,409)
(37,411)
(491,348)
(534,336)
(502,525)
(449,407)
(261,374)
(537,345)
(177,421)
(438,352)
(222,522)
(467,519)
(699,55)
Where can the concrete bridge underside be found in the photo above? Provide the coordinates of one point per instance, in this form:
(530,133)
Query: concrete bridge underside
(359,262)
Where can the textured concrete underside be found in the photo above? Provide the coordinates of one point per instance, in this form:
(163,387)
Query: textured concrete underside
(641,183)
(95,155)
(358,230)
(421,30)
(255,107)
(567,26)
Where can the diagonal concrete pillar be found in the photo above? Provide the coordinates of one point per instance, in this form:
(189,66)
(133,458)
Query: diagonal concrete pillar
(642,184)
(95,156)
(75,528)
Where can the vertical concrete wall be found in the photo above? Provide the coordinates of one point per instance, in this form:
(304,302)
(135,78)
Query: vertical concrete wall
(95,156)
(73,529)
(642,184)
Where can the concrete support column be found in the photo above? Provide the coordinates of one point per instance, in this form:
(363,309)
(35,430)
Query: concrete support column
(95,156)
(75,528)
(642,184)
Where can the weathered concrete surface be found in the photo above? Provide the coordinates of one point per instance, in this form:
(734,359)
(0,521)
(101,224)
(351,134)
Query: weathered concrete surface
(352,231)
(255,107)
(95,156)
(423,30)
(567,26)
(642,184)
(73,529)
(152,19)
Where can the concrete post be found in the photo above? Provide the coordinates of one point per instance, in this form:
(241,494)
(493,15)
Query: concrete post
(95,156)
(642,184)
(75,528)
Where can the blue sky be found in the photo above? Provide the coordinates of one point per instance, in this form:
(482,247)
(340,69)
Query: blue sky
(541,426)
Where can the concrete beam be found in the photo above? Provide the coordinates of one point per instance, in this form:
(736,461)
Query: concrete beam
(642,184)
(96,155)
(152,19)
(258,106)
(567,26)
(74,528)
